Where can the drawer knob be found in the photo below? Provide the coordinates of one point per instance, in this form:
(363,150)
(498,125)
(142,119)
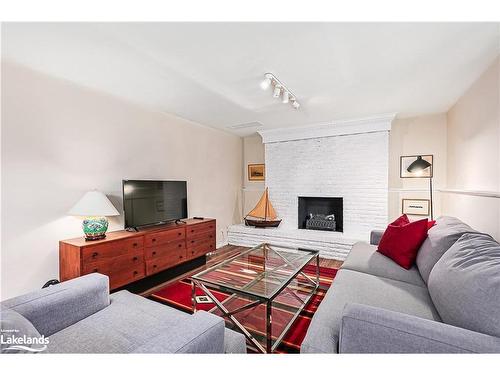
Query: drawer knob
(154,240)
(180,256)
(192,230)
(94,255)
(179,234)
(134,259)
(192,252)
(192,241)
(180,245)
(154,252)
(211,236)
(135,273)
(154,265)
(135,244)
(95,270)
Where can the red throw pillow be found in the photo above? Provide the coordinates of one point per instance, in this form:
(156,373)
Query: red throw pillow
(402,220)
(431,224)
(401,242)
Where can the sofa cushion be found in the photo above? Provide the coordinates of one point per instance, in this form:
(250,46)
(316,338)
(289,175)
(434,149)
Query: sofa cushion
(439,239)
(234,342)
(356,287)
(365,258)
(201,333)
(14,326)
(127,323)
(465,284)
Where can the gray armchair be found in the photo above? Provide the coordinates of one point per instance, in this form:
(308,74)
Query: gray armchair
(80,316)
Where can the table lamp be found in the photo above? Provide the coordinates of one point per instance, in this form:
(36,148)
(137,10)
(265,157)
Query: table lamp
(418,167)
(94,206)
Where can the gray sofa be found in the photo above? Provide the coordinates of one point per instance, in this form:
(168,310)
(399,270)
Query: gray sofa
(80,316)
(449,302)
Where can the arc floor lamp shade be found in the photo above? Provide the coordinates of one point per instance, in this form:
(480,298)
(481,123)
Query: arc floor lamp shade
(418,166)
(94,206)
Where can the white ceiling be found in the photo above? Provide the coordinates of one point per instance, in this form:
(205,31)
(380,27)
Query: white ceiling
(210,72)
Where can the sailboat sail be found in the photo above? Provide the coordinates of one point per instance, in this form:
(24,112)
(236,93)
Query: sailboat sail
(264,209)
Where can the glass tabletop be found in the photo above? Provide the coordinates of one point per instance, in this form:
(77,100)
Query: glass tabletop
(261,271)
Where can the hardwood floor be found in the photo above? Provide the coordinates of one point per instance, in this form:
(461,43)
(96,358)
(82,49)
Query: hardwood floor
(223,253)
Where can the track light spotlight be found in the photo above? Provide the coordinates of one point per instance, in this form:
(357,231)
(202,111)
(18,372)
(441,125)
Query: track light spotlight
(277,91)
(286,97)
(266,83)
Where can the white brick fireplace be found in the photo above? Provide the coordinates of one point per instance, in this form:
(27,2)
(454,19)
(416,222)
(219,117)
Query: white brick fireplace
(346,159)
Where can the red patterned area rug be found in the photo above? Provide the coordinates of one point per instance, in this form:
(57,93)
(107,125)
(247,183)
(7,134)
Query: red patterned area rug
(178,295)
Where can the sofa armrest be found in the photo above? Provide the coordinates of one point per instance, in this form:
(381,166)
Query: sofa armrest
(201,333)
(375,236)
(367,329)
(62,305)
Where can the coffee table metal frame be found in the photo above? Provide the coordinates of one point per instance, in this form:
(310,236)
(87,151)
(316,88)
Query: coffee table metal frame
(197,281)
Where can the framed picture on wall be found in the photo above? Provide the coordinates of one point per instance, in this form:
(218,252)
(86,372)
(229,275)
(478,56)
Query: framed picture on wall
(418,207)
(256,172)
(405,161)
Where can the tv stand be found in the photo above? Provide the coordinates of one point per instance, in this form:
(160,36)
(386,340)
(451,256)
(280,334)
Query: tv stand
(128,256)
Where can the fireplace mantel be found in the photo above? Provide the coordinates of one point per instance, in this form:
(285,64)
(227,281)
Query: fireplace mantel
(329,129)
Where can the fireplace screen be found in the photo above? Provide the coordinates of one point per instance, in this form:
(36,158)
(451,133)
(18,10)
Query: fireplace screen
(321,222)
(321,213)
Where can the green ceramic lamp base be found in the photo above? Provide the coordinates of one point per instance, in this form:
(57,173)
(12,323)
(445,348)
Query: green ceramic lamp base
(95,228)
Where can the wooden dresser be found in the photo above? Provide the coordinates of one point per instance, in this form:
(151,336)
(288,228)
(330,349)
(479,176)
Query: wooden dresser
(130,256)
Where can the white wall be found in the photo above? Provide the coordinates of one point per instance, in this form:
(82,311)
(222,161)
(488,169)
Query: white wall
(60,140)
(253,153)
(420,135)
(474,153)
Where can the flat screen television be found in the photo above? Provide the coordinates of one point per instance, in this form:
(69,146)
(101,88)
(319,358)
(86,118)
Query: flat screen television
(148,202)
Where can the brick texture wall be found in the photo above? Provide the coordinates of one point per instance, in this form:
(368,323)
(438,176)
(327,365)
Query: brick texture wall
(354,167)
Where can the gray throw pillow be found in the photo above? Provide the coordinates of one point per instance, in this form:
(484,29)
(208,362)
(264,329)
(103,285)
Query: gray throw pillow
(15,327)
(440,237)
(465,284)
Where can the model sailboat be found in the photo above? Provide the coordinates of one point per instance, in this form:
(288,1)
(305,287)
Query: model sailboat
(263,215)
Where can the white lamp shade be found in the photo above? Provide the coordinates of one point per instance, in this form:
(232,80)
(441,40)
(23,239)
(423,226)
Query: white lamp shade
(93,203)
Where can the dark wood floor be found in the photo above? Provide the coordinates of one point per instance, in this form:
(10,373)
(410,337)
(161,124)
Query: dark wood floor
(223,253)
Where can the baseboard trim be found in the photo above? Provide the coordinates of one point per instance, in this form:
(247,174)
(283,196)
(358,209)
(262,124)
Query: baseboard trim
(221,244)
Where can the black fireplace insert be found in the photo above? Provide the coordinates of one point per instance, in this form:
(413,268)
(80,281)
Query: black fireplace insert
(321,213)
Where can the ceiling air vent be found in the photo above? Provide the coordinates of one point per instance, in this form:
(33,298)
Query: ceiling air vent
(247,125)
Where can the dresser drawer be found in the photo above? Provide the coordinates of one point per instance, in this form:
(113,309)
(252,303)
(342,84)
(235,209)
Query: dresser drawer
(164,250)
(125,276)
(197,241)
(174,257)
(159,238)
(111,250)
(108,266)
(198,230)
(200,249)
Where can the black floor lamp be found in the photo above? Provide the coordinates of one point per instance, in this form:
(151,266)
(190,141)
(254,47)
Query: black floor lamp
(418,166)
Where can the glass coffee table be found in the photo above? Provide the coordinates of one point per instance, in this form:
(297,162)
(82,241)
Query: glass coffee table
(261,291)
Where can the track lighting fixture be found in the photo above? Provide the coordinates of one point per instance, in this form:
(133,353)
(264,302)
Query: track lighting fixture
(286,97)
(266,83)
(279,90)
